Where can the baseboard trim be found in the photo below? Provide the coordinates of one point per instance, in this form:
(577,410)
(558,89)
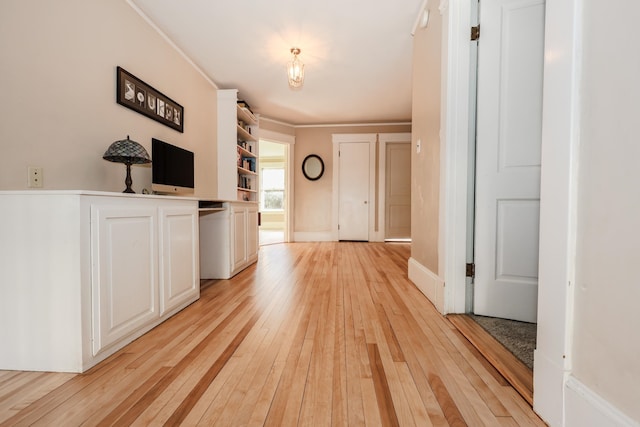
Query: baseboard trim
(548,384)
(312,236)
(586,408)
(429,283)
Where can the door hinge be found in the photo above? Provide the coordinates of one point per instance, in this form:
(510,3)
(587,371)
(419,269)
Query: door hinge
(475,33)
(338,226)
(471,270)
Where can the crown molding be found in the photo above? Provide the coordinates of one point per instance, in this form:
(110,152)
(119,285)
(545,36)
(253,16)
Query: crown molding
(171,43)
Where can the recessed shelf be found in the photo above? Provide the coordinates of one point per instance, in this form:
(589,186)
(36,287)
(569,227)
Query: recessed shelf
(246,152)
(238,126)
(243,171)
(246,116)
(244,135)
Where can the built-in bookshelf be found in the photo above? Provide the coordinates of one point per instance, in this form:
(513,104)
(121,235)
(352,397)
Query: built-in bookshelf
(247,160)
(237,140)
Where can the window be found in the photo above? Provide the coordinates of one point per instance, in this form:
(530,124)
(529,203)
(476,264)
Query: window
(272,193)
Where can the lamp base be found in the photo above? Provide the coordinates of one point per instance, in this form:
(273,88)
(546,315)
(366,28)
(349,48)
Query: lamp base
(128,180)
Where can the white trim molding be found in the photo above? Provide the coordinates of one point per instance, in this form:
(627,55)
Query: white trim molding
(429,283)
(344,125)
(313,236)
(332,125)
(558,206)
(585,408)
(268,119)
(452,235)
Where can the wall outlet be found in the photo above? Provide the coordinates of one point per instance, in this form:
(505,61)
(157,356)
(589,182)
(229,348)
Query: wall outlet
(36,179)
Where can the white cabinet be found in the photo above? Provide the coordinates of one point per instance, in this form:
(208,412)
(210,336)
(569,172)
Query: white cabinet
(228,240)
(179,257)
(124,277)
(238,236)
(252,233)
(90,272)
(144,265)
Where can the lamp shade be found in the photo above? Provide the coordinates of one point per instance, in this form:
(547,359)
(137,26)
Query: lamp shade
(127,151)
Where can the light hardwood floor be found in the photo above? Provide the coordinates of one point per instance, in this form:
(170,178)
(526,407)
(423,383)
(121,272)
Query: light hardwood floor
(315,334)
(513,370)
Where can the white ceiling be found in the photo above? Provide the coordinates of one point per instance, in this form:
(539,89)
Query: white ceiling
(357,53)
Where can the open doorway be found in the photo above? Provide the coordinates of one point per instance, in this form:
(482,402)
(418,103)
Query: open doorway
(503,201)
(273,192)
(394,209)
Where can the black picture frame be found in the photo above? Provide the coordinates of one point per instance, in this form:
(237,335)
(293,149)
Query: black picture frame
(133,93)
(313,167)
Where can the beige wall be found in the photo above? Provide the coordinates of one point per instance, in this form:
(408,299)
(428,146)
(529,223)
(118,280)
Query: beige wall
(606,349)
(313,199)
(58,88)
(425,166)
(274,126)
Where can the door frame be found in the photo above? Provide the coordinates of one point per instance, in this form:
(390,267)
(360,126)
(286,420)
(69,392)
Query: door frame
(560,141)
(384,139)
(364,138)
(289,142)
(454,157)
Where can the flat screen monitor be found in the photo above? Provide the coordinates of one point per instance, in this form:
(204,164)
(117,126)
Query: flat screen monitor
(172,168)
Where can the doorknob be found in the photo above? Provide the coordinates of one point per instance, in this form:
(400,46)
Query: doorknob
(365,202)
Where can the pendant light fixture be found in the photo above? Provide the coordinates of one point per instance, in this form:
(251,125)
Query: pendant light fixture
(295,70)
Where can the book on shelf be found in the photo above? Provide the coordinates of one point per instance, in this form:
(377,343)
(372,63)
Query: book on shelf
(245,182)
(243,104)
(248,163)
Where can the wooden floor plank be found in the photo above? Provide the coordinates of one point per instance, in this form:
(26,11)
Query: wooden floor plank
(319,333)
(516,372)
(17,395)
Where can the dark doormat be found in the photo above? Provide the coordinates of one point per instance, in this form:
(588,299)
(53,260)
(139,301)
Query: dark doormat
(518,337)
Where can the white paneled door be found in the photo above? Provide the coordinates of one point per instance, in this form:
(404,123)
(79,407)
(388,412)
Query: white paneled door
(510,67)
(353,204)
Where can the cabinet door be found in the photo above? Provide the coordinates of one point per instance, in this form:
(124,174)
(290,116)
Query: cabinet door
(179,276)
(239,237)
(124,272)
(252,233)
(216,245)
